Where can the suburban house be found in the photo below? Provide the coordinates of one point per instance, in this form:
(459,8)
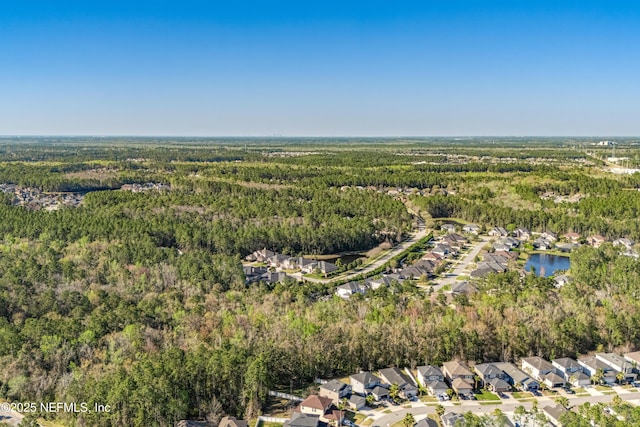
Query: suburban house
(277,260)
(260,256)
(455,369)
(472,228)
(463,287)
(561,280)
(432,378)
(537,367)
(542,244)
(456,240)
(552,380)
(517,378)
(433,257)
(596,240)
(452,419)
(553,413)
(591,366)
(380,393)
(230,421)
(385,280)
(253,273)
(442,250)
(572,371)
(326,267)
(273,277)
(350,288)
(335,390)
(498,232)
(501,247)
(449,228)
(572,237)
(315,405)
(509,241)
(619,364)
(394,376)
(356,402)
(521,233)
(299,419)
(429,373)
(492,377)
(320,406)
(363,382)
(462,387)
(549,235)
(426,422)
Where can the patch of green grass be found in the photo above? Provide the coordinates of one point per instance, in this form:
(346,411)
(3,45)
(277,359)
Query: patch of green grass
(580,390)
(486,395)
(366,422)
(428,399)
(521,394)
(602,387)
(490,403)
(386,411)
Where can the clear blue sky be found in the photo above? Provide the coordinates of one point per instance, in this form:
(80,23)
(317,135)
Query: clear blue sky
(295,68)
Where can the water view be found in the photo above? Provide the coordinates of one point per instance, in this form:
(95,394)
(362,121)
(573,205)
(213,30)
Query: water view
(546,265)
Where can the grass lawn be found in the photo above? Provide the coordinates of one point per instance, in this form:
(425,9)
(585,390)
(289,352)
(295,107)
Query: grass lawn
(386,411)
(521,394)
(366,422)
(602,388)
(428,399)
(490,403)
(486,395)
(359,418)
(609,392)
(266,424)
(580,390)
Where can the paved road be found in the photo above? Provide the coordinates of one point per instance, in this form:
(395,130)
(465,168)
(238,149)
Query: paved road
(507,405)
(462,264)
(396,250)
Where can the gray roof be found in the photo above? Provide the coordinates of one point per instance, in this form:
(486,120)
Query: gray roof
(427,422)
(488,369)
(517,375)
(299,419)
(394,376)
(365,378)
(457,368)
(334,385)
(437,385)
(566,363)
(555,411)
(498,383)
(450,418)
(554,378)
(429,371)
(539,363)
(357,399)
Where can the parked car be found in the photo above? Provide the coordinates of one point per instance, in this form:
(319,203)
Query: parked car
(348,423)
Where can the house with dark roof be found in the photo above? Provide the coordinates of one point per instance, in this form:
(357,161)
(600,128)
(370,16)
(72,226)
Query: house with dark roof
(350,288)
(335,390)
(472,229)
(429,373)
(619,364)
(492,377)
(455,369)
(554,413)
(517,378)
(592,365)
(498,232)
(363,382)
(300,419)
(379,392)
(408,390)
(537,367)
(426,422)
(356,402)
(572,371)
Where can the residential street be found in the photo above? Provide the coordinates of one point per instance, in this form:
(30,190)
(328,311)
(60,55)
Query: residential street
(401,247)
(462,264)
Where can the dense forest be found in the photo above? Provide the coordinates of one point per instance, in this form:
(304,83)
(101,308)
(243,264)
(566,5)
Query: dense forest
(138,300)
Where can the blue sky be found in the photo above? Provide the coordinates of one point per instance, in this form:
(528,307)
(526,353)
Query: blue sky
(296,68)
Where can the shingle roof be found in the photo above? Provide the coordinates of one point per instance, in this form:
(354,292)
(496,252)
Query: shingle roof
(365,378)
(334,385)
(318,402)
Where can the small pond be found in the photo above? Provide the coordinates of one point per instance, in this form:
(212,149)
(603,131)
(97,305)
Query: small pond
(546,265)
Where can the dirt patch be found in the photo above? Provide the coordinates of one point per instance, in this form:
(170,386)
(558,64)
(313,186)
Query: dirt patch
(374,252)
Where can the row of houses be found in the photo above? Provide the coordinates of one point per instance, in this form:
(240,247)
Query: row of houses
(34,199)
(449,246)
(286,262)
(607,368)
